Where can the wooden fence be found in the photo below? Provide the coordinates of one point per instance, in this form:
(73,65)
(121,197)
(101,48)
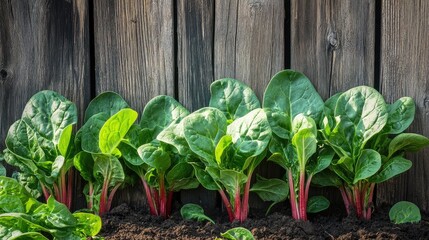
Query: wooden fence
(144,48)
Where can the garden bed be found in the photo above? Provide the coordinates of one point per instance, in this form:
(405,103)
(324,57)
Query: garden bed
(126,223)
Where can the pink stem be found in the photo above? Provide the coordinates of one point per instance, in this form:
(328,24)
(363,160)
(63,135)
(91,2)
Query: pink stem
(57,194)
(307,188)
(103,196)
(371,195)
(163,197)
(70,188)
(358,202)
(345,199)
(237,204)
(45,191)
(169,203)
(111,195)
(245,204)
(227,205)
(149,197)
(293,203)
(302,203)
(155,195)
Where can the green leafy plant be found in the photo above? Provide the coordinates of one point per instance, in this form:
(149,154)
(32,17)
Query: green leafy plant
(161,168)
(293,107)
(362,130)
(405,212)
(229,143)
(2,168)
(23,217)
(195,212)
(238,233)
(40,144)
(108,120)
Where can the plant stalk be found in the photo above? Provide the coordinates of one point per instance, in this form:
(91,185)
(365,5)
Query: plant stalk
(227,204)
(302,197)
(245,204)
(152,209)
(293,203)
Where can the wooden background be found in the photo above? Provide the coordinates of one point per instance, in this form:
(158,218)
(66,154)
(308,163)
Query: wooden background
(144,48)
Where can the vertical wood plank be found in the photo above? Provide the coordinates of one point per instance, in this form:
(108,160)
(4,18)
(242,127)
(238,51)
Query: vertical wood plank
(404,72)
(195,69)
(249,45)
(134,53)
(43,45)
(134,56)
(332,43)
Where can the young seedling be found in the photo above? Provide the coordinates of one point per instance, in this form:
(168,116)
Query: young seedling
(405,212)
(108,120)
(40,144)
(161,168)
(293,107)
(362,130)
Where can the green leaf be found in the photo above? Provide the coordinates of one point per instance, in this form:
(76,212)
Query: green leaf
(301,122)
(404,212)
(326,178)
(250,133)
(324,159)
(288,94)
(130,154)
(28,236)
(401,115)
(10,187)
(195,212)
(115,129)
(108,167)
(155,157)
(234,98)
(160,112)
(203,130)
(107,102)
(88,224)
(205,178)
(391,168)
(238,233)
(274,190)
(367,165)
(363,114)
(49,114)
(54,215)
(223,144)
(181,170)
(305,144)
(279,160)
(317,204)
(174,135)
(84,163)
(232,180)
(11,203)
(65,139)
(90,133)
(407,142)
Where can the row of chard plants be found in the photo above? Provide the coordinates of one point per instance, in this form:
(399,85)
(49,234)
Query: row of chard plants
(352,141)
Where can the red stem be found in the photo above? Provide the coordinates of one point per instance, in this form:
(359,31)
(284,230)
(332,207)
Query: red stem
(245,204)
(169,202)
(70,187)
(111,195)
(345,199)
(371,195)
(227,205)
(302,197)
(293,203)
(237,204)
(149,198)
(155,196)
(307,189)
(45,191)
(358,201)
(103,196)
(57,194)
(163,197)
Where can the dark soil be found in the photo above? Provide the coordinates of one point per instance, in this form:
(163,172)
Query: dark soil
(126,223)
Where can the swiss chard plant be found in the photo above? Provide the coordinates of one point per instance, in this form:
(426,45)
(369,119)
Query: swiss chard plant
(23,217)
(40,144)
(366,135)
(229,139)
(293,107)
(107,120)
(161,168)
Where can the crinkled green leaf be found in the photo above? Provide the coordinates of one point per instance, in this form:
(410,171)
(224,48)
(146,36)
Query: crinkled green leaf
(238,233)
(274,190)
(401,115)
(108,167)
(90,133)
(409,142)
(234,98)
(84,163)
(88,224)
(195,212)
(404,212)
(155,157)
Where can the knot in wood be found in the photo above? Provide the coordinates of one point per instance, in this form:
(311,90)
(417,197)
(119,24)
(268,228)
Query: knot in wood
(333,41)
(3,74)
(426,102)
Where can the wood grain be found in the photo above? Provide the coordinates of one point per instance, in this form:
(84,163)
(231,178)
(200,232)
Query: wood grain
(134,56)
(404,72)
(332,43)
(134,53)
(195,70)
(43,45)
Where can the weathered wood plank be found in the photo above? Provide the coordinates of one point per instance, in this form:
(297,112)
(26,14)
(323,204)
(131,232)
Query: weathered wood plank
(134,56)
(404,72)
(134,53)
(195,69)
(43,45)
(332,43)
(249,45)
